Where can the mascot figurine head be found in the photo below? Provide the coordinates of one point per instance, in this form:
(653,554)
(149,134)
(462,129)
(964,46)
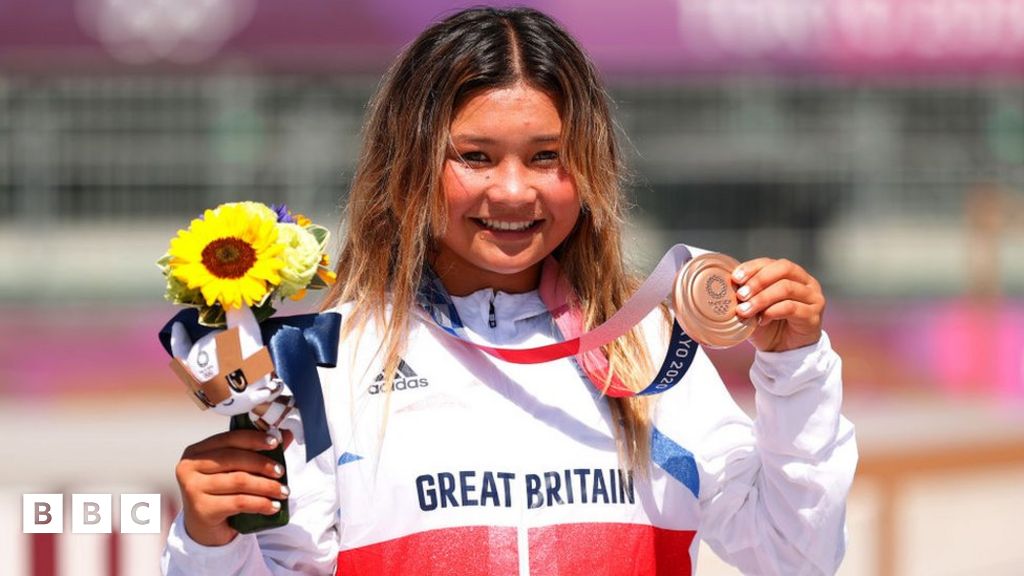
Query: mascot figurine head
(229,370)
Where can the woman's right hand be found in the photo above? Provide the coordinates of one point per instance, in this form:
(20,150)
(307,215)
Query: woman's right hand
(224,475)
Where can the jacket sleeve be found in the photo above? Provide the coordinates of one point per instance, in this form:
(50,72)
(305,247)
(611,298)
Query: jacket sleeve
(773,490)
(308,544)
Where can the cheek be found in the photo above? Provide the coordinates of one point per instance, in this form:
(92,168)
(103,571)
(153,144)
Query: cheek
(457,195)
(564,199)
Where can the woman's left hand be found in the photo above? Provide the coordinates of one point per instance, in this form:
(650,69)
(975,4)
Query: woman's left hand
(785,301)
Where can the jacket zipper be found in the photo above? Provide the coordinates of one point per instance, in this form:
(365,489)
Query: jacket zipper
(492,319)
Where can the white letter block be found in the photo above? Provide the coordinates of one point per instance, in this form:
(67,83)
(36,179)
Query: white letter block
(42,513)
(140,513)
(90,513)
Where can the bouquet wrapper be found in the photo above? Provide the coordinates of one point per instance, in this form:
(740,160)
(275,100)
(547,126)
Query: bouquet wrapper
(251,342)
(247,523)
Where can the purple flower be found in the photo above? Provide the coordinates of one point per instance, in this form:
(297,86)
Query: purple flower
(283,215)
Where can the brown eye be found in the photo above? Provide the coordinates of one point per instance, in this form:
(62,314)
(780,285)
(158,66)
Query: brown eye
(546,157)
(474,157)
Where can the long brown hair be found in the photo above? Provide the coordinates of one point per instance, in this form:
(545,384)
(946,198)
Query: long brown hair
(396,209)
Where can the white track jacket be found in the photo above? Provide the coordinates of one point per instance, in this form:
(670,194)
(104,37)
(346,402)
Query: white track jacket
(483,467)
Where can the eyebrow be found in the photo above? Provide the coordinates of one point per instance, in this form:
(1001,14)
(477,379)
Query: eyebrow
(484,140)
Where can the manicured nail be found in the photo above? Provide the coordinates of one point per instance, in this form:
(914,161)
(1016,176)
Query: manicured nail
(271,441)
(278,470)
(743,292)
(285,491)
(275,504)
(744,307)
(738,274)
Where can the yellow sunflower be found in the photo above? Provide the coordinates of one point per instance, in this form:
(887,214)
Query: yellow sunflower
(231,254)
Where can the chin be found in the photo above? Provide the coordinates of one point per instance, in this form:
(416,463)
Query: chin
(506,269)
(503,264)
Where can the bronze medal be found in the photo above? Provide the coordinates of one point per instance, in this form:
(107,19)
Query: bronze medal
(705,302)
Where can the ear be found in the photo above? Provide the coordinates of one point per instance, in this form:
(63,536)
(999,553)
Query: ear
(181,343)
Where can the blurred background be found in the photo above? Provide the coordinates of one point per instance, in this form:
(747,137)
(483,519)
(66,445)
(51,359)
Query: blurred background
(880,143)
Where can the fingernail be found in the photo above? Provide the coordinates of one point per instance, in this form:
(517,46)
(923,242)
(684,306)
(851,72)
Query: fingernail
(285,491)
(275,504)
(743,292)
(278,470)
(744,307)
(271,441)
(738,274)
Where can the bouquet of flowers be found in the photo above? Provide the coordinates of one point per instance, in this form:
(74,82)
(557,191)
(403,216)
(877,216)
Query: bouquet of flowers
(229,268)
(245,253)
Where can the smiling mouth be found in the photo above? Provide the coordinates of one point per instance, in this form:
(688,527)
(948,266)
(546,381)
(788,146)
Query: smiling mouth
(507,225)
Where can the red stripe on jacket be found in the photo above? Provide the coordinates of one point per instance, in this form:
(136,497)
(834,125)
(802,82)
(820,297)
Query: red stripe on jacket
(592,549)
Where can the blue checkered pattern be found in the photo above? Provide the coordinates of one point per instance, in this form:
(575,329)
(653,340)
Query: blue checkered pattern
(434,299)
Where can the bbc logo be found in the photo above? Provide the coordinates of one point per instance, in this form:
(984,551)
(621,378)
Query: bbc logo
(90,513)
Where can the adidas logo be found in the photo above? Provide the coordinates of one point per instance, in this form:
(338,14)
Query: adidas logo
(405,379)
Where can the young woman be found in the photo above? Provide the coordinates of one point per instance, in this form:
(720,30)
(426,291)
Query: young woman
(489,179)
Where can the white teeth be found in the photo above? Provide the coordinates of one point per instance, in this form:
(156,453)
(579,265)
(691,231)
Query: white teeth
(509,226)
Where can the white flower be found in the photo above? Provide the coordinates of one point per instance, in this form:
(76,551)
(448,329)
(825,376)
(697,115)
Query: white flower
(301,256)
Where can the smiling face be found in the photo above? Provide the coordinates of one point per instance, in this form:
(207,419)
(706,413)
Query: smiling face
(510,201)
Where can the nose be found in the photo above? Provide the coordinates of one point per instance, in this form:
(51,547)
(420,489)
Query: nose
(513,182)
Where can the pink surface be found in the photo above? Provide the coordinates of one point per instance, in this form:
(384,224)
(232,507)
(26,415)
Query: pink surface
(971,347)
(82,349)
(832,36)
(950,347)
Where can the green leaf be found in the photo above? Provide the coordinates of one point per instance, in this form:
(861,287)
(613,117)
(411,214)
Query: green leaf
(263,311)
(213,316)
(179,292)
(316,283)
(320,233)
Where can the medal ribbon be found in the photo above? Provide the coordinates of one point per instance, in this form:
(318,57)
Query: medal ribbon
(584,346)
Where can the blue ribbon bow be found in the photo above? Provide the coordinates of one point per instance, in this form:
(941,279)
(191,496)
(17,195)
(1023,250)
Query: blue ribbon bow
(297,345)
